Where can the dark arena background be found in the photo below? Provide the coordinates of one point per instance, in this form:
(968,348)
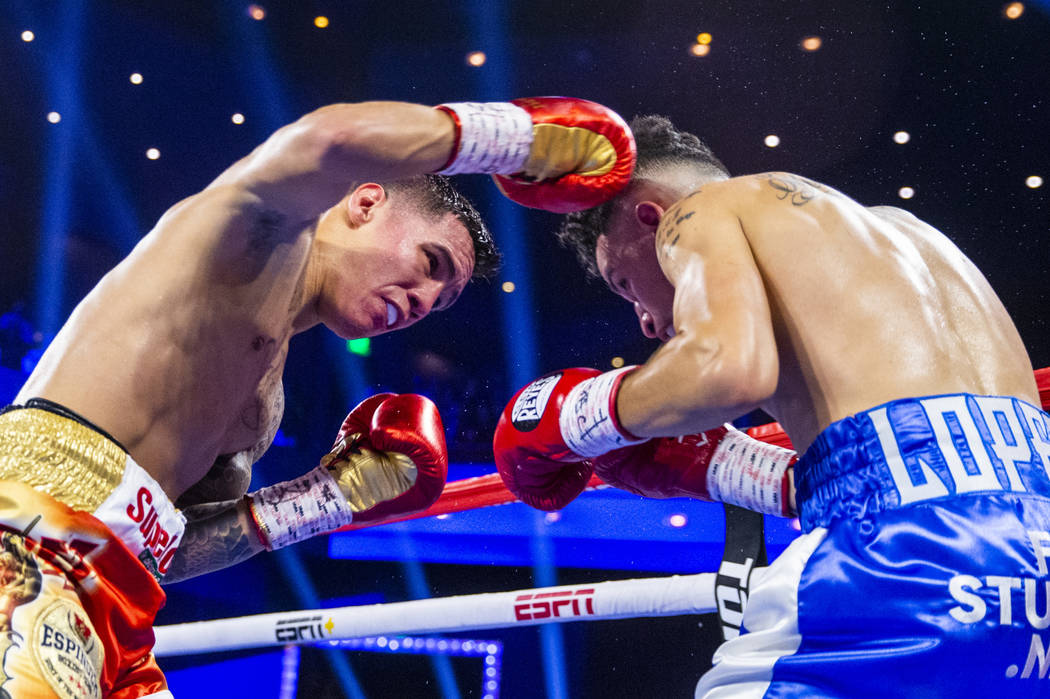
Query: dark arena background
(114,110)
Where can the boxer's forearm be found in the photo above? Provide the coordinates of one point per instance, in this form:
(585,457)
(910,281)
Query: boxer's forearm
(217,536)
(306,166)
(689,386)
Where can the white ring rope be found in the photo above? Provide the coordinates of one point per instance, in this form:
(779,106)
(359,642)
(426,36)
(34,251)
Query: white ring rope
(618,599)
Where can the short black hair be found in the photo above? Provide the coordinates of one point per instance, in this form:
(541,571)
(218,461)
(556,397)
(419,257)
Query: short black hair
(660,145)
(436,196)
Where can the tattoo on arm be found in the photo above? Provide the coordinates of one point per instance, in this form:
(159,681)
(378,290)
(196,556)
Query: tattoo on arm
(227,480)
(798,190)
(216,537)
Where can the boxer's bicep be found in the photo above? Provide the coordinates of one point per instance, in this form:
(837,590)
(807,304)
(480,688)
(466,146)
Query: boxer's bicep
(722,361)
(720,299)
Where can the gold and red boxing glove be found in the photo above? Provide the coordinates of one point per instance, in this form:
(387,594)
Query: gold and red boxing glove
(559,154)
(389,459)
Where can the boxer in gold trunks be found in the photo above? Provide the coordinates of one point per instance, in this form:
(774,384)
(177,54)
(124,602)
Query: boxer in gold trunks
(128,453)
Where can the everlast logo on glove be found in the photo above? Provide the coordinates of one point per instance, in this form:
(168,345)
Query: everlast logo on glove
(532,402)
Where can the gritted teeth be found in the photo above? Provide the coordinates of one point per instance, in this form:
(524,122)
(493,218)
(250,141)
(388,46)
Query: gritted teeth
(391,314)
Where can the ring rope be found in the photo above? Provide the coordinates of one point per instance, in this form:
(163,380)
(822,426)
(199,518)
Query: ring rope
(618,599)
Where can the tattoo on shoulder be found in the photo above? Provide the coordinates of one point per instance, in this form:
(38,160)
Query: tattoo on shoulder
(794,188)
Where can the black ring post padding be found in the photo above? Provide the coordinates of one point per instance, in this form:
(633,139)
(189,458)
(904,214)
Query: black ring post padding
(745,549)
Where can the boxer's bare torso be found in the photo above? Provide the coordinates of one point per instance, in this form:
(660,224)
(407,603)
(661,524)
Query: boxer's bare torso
(178,352)
(835,307)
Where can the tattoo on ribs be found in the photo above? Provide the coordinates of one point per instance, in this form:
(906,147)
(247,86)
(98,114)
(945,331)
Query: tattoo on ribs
(798,190)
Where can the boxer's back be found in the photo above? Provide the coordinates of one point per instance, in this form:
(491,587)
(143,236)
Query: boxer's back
(869,305)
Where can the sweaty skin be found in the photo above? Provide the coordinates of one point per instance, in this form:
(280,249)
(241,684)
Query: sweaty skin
(791,297)
(178,352)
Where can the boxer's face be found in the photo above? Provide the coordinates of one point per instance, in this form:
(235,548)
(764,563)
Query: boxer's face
(627,261)
(386,265)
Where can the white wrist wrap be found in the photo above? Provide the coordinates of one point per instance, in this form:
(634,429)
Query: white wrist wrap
(587,420)
(298,509)
(494,138)
(749,473)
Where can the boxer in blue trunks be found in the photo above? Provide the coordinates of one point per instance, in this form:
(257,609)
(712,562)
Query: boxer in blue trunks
(924,483)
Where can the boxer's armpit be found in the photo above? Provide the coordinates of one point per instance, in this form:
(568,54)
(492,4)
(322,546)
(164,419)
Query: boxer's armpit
(217,535)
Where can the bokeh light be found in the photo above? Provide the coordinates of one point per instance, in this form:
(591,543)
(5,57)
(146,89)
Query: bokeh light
(1033,181)
(678,521)
(28,36)
(700,49)
(1013,10)
(906,192)
(812,43)
(901,137)
(476,58)
(54,117)
(508,287)
(152,153)
(703,38)
(616,362)
(135,78)
(772,140)
(256,12)
(237,118)
(320,21)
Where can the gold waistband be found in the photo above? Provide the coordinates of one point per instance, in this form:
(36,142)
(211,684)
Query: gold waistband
(61,457)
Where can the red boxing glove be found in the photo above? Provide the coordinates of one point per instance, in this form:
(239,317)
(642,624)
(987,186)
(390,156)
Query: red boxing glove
(721,464)
(406,424)
(559,154)
(533,453)
(389,459)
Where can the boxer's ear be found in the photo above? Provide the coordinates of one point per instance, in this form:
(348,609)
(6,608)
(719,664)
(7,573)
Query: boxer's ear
(361,204)
(648,213)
